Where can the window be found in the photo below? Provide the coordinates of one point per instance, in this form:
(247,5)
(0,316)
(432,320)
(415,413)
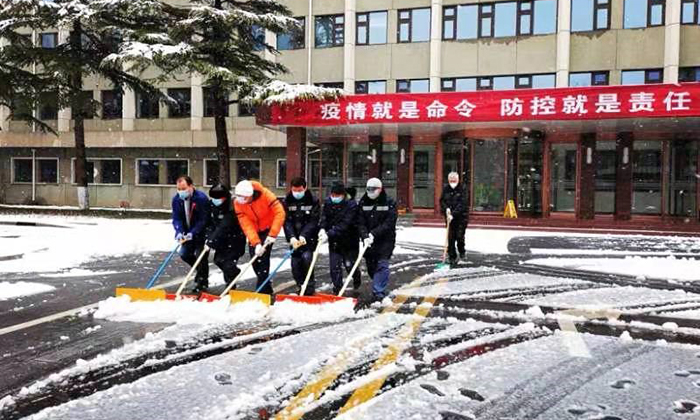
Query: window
(258,35)
(689,74)
(48,106)
(489,175)
(504,20)
(208,94)
(293,40)
(111,104)
(646,177)
(21,109)
(522,81)
(46,170)
(525,18)
(371,28)
(371,87)
(413,86)
(590,15)
(183,103)
(643,13)
(463,84)
(246,109)
(147,106)
(545,17)
(689,11)
(414,25)
(148,171)
(107,171)
(642,77)
(330,85)
(596,78)
(211,172)
(460,22)
(247,169)
(330,31)
(87,101)
(49,40)
(486,20)
(281,173)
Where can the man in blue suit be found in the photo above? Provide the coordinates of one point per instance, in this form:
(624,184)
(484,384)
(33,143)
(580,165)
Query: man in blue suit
(190,216)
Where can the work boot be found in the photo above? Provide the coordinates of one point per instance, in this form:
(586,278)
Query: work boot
(454,263)
(200,286)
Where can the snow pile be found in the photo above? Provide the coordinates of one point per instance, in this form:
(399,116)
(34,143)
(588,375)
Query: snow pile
(278,92)
(670,267)
(22,288)
(288,312)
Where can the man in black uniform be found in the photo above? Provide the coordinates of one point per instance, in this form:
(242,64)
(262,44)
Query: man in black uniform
(377,225)
(455,208)
(339,229)
(224,234)
(301,229)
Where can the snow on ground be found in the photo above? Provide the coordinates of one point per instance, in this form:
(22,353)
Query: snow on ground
(614,297)
(76,240)
(9,290)
(79,272)
(670,267)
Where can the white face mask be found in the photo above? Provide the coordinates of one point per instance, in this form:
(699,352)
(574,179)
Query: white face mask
(454,185)
(374,194)
(241,200)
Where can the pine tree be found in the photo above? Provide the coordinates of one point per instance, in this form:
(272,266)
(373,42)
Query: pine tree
(224,42)
(97,29)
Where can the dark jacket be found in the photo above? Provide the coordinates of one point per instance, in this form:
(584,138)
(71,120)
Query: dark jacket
(457,200)
(223,230)
(340,223)
(199,215)
(302,218)
(378,217)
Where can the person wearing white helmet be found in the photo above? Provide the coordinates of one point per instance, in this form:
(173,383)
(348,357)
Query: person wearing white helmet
(377,225)
(261,216)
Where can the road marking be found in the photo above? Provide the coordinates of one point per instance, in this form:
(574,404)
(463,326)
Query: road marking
(392,353)
(296,407)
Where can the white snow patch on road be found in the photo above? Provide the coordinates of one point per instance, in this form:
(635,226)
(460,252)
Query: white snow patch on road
(79,272)
(674,268)
(613,297)
(10,290)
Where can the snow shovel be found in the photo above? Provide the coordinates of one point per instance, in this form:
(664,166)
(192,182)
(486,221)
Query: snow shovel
(149,294)
(301,297)
(241,296)
(189,275)
(444,265)
(210,298)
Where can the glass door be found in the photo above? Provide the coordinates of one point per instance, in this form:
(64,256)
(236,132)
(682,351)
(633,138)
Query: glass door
(605,176)
(562,173)
(682,183)
(424,176)
(489,175)
(529,176)
(646,177)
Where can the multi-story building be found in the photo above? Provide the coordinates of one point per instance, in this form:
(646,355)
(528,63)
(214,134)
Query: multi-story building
(553,170)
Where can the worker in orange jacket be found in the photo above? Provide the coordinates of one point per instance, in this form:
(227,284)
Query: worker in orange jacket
(261,216)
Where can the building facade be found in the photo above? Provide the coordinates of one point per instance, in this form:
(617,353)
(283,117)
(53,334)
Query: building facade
(416,46)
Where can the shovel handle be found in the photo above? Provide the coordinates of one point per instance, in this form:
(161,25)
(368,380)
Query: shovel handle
(272,274)
(311,269)
(363,249)
(238,277)
(447,242)
(192,270)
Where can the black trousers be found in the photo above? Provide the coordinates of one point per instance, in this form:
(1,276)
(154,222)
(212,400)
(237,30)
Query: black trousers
(189,252)
(301,261)
(455,238)
(339,259)
(261,266)
(226,258)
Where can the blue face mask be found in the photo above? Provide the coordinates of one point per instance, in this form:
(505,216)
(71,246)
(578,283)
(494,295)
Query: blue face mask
(184,194)
(298,194)
(336,200)
(217,201)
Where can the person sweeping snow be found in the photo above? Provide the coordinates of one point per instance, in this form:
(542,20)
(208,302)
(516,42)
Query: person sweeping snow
(455,209)
(224,233)
(261,216)
(190,216)
(377,225)
(301,229)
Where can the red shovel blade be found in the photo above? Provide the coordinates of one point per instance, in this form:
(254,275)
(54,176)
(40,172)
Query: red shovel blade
(317,299)
(207,297)
(172,296)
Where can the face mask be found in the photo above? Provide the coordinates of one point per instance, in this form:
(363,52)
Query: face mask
(453,185)
(373,194)
(242,200)
(217,201)
(184,194)
(298,194)
(336,200)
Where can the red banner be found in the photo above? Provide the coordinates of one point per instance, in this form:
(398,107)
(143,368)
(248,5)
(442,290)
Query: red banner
(583,103)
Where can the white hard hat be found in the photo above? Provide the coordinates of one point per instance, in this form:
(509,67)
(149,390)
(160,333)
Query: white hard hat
(374,183)
(244,189)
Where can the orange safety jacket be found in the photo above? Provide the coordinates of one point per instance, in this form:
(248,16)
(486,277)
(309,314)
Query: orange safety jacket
(263,213)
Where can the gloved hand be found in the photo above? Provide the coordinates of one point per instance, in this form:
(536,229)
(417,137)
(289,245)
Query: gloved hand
(179,237)
(322,236)
(368,241)
(188,237)
(296,243)
(448,215)
(270,240)
(302,241)
(259,250)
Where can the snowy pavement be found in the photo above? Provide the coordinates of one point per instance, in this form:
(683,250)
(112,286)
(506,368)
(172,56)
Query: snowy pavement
(520,332)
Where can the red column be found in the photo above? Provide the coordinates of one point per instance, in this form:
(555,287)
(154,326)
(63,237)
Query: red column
(375,151)
(587,195)
(296,152)
(403,173)
(623,189)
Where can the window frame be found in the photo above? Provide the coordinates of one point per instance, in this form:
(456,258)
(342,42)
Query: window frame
(277,175)
(599,5)
(453,19)
(694,19)
(296,46)
(52,34)
(121,171)
(401,21)
(646,75)
(520,13)
(260,164)
(205,172)
(120,97)
(136,171)
(44,104)
(34,175)
(334,30)
(410,82)
(206,96)
(359,26)
(694,69)
(650,6)
(171,107)
(593,75)
(486,15)
(367,82)
(151,102)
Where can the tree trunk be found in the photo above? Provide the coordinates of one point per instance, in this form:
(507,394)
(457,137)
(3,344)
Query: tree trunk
(77,109)
(223,151)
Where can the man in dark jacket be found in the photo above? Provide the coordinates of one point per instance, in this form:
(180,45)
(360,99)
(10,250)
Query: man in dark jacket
(339,228)
(301,229)
(190,217)
(455,209)
(224,234)
(377,225)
